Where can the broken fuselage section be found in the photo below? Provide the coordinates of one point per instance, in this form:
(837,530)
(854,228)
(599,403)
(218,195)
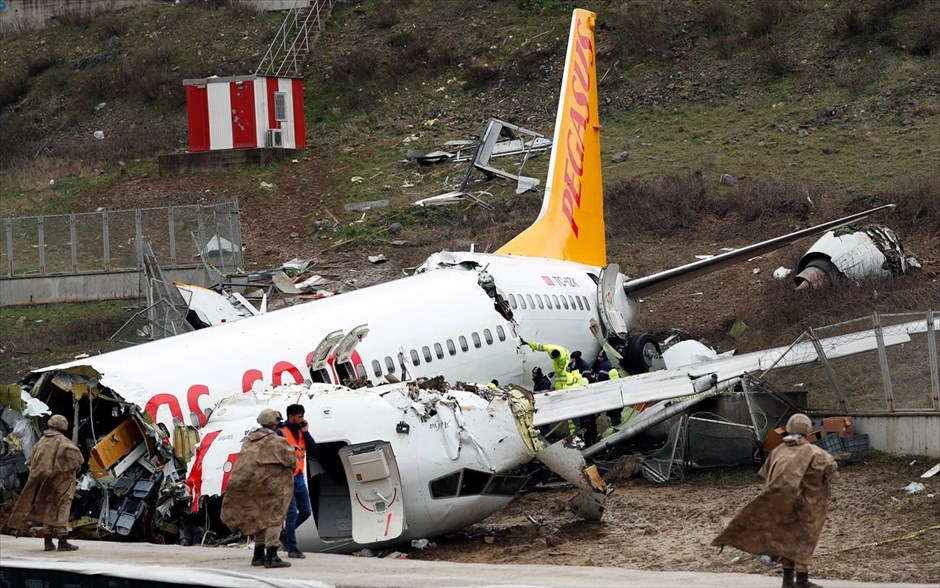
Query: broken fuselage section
(393,463)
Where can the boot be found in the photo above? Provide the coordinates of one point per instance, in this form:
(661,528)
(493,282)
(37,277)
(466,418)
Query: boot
(258,559)
(64,545)
(802,581)
(271,560)
(50,546)
(787,578)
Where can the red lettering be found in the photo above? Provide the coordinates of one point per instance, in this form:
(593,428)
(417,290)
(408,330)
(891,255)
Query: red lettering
(249,378)
(168,400)
(194,481)
(285,366)
(192,398)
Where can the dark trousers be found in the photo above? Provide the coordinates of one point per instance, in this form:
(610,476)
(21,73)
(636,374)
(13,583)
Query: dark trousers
(298,511)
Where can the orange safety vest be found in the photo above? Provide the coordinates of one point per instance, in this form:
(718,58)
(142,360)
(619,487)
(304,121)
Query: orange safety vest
(299,445)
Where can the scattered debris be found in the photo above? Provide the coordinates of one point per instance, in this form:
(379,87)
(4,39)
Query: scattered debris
(931,472)
(359,206)
(99,135)
(376,259)
(782,272)
(728,180)
(914,488)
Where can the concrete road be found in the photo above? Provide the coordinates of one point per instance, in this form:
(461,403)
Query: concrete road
(229,567)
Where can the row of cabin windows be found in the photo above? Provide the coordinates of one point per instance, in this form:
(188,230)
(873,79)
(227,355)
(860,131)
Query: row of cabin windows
(551,301)
(474,482)
(439,350)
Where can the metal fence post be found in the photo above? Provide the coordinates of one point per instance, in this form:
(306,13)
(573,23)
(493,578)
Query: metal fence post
(73,241)
(830,373)
(8,225)
(171,225)
(883,360)
(41,226)
(932,355)
(138,236)
(105,238)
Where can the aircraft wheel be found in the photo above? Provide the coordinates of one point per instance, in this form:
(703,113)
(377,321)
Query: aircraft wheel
(642,349)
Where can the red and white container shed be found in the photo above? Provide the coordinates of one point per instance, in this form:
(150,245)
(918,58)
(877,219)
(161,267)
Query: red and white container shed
(245,112)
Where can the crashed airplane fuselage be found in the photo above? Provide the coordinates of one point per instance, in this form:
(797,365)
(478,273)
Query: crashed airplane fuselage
(396,462)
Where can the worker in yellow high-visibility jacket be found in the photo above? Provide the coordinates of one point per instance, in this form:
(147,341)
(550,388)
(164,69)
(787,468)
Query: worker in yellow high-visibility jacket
(560,358)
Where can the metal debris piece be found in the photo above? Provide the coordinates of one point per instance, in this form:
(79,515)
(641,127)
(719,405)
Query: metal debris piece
(369,205)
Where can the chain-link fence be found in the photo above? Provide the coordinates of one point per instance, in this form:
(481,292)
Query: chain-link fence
(107,241)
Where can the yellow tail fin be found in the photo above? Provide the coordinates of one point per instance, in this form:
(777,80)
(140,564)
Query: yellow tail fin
(570,224)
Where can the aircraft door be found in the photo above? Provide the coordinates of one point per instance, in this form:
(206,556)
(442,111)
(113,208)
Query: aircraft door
(378,511)
(345,369)
(319,368)
(610,299)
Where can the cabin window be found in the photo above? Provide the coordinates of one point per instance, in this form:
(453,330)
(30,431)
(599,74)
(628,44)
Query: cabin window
(389,365)
(557,304)
(587,303)
(548,301)
(488,336)
(538,298)
(571,298)
(414,357)
(473,482)
(512,301)
(522,301)
(463,343)
(529,298)
(580,304)
(500,333)
(439,351)
(361,371)
(564,301)
(450,347)
(427,353)
(445,487)
(476,340)
(376,368)
(503,485)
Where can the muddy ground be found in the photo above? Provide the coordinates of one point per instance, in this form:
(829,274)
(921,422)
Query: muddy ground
(670,527)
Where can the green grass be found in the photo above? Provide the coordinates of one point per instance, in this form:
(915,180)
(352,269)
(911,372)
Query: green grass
(34,336)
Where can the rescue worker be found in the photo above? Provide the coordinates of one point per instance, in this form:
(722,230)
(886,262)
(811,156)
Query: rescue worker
(294,429)
(260,489)
(540,381)
(601,368)
(47,497)
(560,358)
(577,364)
(785,520)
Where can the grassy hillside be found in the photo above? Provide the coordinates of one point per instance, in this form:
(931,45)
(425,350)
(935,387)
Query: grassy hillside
(832,102)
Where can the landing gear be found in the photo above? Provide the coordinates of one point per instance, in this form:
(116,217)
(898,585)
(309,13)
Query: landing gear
(639,353)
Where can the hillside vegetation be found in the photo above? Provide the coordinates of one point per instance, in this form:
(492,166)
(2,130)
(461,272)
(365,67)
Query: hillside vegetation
(817,108)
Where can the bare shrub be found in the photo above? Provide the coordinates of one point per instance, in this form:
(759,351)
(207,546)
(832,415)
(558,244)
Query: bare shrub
(726,45)
(852,23)
(110,25)
(774,62)
(40,61)
(12,131)
(242,8)
(358,64)
(74,16)
(764,19)
(857,81)
(644,31)
(412,46)
(384,16)
(656,207)
(151,84)
(927,39)
(717,17)
(479,72)
(762,201)
(13,85)
(94,86)
(918,201)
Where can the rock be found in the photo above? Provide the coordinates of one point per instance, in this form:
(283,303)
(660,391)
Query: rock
(394,228)
(728,180)
(489,540)
(620,157)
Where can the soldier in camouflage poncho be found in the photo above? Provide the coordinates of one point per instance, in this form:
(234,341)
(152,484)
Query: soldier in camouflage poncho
(260,489)
(787,517)
(47,497)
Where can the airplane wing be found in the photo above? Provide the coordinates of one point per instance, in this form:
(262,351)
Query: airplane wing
(659,281)
(707,376)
